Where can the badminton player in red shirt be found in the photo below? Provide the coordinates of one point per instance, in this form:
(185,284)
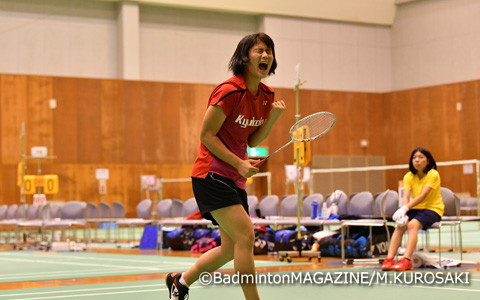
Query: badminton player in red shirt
(241,112)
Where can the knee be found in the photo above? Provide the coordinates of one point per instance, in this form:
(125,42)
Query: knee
(227,252)
(246,239)
(413,226)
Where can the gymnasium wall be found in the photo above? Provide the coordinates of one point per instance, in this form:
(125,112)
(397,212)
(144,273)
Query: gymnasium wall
(60,38)
(138,128)
(366,11)
(435,42)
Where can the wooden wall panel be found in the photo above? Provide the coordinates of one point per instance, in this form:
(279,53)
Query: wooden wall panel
(1,118)
(322,183)
(113,115)
(467,93)
(474,133)
(425,115)
(89,116)
(376,179)
(10,190)
(65,124)
(336,140)
(355,117)
(39,124)
(398,139)
(358,181)
(193,104)
(161,131)
(134,104)
(451,133)
(14,102)
(376,125)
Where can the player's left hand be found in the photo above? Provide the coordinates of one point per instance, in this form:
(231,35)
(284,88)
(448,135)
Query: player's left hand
(278,107)
(400,212)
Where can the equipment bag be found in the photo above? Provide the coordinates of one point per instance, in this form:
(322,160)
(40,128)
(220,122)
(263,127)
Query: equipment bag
(181,238)
(286,240)
(203,245)
(264,241)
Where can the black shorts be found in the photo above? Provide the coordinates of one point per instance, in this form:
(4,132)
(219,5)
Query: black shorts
(214,192)
(425,216)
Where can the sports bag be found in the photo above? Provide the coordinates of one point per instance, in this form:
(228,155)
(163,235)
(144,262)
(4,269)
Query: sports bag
(203,245)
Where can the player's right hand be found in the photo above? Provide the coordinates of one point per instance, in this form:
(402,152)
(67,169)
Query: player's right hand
(246,168)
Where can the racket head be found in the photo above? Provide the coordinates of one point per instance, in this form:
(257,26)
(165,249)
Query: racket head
(312,126)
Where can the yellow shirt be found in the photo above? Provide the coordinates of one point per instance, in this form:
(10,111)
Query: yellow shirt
(433,200)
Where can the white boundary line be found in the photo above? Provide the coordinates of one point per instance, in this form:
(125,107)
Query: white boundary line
(83,290)
(140,289)
(56,256)
(95,294)
(45,276)
(79,264)
(136,291)
(433,287)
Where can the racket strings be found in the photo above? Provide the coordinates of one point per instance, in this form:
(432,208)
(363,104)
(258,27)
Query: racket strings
(312,126)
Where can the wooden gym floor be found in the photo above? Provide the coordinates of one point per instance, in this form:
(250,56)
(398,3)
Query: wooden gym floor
(112,273)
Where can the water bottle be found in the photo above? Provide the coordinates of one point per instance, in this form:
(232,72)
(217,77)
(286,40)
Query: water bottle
(334,209)
(325,211)
(314,209)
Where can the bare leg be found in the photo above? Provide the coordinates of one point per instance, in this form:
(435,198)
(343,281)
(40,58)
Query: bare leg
(211,260)
(238,226)
(396,240)
(413,227)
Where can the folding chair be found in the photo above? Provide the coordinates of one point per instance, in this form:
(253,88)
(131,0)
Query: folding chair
(450,218)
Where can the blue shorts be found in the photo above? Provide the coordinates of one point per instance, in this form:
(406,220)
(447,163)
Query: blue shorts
(214,192)
(425,216)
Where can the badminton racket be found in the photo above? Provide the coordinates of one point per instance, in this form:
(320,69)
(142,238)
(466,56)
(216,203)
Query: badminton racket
(313,127)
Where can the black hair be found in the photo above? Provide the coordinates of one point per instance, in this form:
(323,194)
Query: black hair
(431,161)
(240,56)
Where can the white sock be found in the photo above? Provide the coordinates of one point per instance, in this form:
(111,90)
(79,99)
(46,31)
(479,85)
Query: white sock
(182,281)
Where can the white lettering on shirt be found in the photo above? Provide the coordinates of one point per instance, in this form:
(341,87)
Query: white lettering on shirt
(248,122)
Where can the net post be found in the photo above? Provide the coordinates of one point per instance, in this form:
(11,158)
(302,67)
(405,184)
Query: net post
(299,195)
(477,171)
(298,84)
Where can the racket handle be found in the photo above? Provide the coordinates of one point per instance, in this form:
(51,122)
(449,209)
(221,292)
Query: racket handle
(257,164)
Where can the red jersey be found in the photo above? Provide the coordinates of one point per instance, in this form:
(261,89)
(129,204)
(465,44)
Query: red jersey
(245,114)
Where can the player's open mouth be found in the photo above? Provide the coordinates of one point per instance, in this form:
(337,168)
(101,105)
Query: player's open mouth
(263,66)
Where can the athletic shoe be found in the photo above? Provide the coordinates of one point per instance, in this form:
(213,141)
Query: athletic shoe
(403,265)
(176,290)
(388,264)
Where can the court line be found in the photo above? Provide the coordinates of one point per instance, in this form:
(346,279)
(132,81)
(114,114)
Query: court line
(120,259)
(33,274)
(91,294)
(433,287)
(77,264)
(94,294)
(165,289)
(56,256)
(114,272)
(83,290)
